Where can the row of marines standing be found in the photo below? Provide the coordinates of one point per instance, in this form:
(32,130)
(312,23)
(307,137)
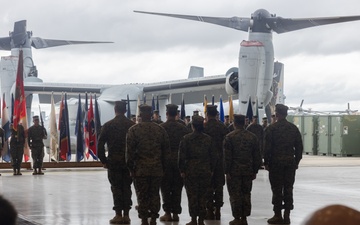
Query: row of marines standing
(167,156)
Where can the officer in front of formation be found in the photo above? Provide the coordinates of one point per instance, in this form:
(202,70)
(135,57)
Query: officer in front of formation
(258,130)
(197,157)
(283,152)
(36,134)
(17,143)
(217,131)
(113,133)
(172,183)
(156,117)
(195,113)
(147,148)
(242,161)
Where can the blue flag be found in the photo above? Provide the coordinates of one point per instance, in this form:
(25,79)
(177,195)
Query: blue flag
(152,104)
(79,132)
(128,112)
(182,110)
(222,116)
(157,103)
(249,113)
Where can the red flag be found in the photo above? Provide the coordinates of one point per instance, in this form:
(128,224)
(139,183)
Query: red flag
(20,103)
(91,132)
(64,144)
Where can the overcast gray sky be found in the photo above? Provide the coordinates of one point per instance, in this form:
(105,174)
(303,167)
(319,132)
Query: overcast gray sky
(322,64)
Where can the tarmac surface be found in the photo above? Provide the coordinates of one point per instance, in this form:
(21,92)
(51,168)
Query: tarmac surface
(82,195)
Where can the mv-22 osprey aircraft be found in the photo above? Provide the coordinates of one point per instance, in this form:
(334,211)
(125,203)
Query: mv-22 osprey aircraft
(254,77)
(252,80)
(20,38)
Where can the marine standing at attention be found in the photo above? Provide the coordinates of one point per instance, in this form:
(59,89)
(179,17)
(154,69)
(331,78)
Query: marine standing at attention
(147,148)
(36,134)
(217,131)
(258,130)
(283,152)
(17,143)
(172,183)
(197,158)
(113,133)
(242,160)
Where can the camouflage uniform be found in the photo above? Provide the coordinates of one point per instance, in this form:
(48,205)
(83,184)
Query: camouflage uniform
(197,158)
(147,148)
(217,131)
(36,134)
(283,152)
(113,133)
(172,182)
(242,160)
(17,143)
(258,130)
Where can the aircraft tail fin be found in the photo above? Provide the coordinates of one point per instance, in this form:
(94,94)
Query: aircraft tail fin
(196,71)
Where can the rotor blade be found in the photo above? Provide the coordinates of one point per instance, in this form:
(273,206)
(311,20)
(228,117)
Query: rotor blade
(39,43)
(237,23)
(5,43)
(19,34)
(302,101)
(282,25)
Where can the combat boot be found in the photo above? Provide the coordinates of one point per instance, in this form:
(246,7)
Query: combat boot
(117,219)
(35,172)
(217,213)
(193,221)
(18,172)
(244,221)
(166,217)
(276,219)
(201,221)
(126,218)
(40,172)
(209,214)
(287,216)
(175,217)
(235,221)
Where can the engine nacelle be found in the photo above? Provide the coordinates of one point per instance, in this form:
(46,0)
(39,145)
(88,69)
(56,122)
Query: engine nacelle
(232,81)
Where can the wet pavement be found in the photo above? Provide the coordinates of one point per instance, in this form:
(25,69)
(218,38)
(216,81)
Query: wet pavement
(82,195)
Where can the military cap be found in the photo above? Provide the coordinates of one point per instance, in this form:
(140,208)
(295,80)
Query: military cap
(172,107)
(238,118)
(143,108)
(211,109)
(133,116)
(255,116)
(281,109)
(35,117)
(196,113)
(264,118)
(197,120)
(156,112)
(227,116)
(120,104)
(187,117)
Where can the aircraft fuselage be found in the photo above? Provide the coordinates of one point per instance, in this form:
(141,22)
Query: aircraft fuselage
(256,67)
